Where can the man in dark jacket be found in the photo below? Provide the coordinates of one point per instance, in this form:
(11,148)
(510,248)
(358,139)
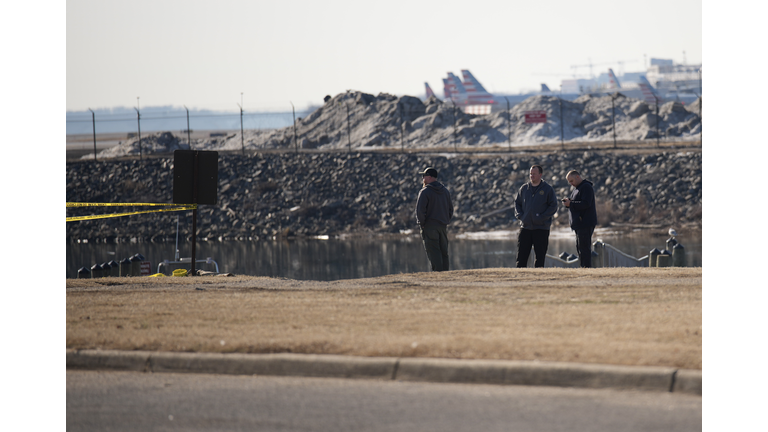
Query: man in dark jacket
(535,205)
(434,211)
(582,215)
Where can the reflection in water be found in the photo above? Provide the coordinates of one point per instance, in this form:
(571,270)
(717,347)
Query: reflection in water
(348,259)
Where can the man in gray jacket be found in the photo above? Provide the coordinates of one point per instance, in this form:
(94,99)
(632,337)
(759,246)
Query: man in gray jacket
(434,211)
(534,207)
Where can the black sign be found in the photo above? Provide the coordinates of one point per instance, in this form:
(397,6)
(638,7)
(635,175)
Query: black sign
(195,176)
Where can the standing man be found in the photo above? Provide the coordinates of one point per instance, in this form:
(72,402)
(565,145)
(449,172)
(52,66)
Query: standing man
(582,215)
(534,207)
(434,211)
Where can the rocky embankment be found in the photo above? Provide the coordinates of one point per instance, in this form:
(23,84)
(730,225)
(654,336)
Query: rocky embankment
(266,195)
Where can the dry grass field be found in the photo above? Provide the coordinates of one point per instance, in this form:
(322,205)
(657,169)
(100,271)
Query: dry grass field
(623,316)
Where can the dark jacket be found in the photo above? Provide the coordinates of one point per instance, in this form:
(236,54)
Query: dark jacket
(535,206)
(582,212)
(434,206)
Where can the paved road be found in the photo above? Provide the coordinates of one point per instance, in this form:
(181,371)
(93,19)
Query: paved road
(134,401)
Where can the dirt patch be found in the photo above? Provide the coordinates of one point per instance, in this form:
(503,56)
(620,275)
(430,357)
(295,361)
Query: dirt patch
(629,316)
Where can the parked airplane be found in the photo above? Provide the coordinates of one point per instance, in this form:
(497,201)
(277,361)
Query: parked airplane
(473,98)
(649,93)
(430,93)
(614,82)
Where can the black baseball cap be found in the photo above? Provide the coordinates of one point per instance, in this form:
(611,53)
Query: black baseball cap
(430,172)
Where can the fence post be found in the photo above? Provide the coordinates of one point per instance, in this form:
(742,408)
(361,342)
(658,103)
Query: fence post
(678,256)
(295,140)
(562,120)
(93,118)
(189,137)
(242,137)
(349,129)
(652,257)
(599,248)
(402,125)
(138,119)
(509,125)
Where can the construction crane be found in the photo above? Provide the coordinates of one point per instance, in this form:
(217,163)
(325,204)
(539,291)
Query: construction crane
(590,64)
(558,74)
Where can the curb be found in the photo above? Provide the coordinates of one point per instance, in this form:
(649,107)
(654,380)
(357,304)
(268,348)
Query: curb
(500,372)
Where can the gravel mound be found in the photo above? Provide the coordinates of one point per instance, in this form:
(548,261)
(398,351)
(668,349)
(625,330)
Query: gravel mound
(356,120)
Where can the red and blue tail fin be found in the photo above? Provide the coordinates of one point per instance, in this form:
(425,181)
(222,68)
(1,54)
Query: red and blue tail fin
(429,91)
(649,93)
(614,82)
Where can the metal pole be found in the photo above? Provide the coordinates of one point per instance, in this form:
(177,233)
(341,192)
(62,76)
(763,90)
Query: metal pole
(509,125)
(189,138)
(402,126)
(455,144)
(562,120)
(242,139)
(613,119)
(194,214)
(295,138)
(349,130)
(138,118)
(93,118)
(657,123)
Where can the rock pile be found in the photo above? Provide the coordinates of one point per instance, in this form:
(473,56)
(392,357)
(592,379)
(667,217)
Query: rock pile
(265,195)
(164,142)
(357,120)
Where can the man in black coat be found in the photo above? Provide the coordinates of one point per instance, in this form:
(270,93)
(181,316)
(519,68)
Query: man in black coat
(582,215)
(434,211)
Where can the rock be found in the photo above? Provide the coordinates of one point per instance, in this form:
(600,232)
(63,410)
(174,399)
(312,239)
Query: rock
(330,193)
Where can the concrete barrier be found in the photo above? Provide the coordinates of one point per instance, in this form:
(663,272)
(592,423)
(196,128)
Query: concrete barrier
(535,373)
(501,372)
(309,365)
(688,381)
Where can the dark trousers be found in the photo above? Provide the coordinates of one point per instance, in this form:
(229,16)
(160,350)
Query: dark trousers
(584,246)
(527,238)
(436,244)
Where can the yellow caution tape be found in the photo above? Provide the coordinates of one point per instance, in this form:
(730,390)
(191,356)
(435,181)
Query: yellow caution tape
(179,207)
(157,275)
(82,204)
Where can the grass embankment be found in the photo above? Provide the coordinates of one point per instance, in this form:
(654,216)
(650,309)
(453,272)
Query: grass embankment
(625,316)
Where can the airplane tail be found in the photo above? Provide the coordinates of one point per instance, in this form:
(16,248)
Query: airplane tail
(545,88)
(471,83)
(430,93)
(614,81)
(453,89)
(649,93)
(476,93)
(447,89)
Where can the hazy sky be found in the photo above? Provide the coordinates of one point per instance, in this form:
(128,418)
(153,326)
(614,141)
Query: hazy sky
(204,54)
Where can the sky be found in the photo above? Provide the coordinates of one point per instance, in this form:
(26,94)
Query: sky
(266,55)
